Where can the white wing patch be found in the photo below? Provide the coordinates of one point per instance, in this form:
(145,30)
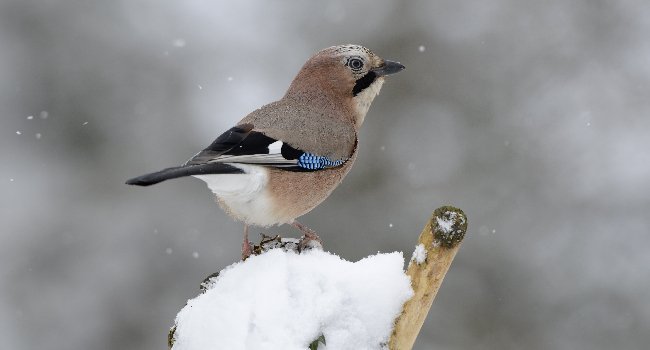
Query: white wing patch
(275,147)
(274,157)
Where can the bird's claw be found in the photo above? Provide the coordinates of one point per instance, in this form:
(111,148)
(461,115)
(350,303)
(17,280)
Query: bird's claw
(310,241)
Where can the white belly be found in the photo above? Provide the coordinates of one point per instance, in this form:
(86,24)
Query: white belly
(245,196)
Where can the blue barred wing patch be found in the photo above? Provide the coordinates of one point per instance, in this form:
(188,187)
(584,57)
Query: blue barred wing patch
(314,162)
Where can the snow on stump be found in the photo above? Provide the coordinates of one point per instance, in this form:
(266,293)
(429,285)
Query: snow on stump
(281,299)
(284,300)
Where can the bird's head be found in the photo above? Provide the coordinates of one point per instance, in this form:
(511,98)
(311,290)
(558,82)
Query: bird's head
(347,75)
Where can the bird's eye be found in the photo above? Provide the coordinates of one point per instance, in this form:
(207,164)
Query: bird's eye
(356,64)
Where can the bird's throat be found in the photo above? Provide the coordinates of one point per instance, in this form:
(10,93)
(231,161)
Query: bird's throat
(364,98)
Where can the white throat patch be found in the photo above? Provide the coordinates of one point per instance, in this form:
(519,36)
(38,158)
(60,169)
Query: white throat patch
(363,100)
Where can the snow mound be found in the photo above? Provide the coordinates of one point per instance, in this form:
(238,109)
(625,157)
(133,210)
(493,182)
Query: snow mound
(283,300)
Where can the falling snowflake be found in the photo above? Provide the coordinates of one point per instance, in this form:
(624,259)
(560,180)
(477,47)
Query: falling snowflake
(178,43)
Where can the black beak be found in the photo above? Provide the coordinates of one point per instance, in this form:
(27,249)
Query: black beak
(389,67)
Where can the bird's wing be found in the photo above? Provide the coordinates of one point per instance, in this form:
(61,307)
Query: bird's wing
(241,144)
(245,145)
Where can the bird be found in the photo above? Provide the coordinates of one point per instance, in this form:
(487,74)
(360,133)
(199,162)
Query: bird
(282,160)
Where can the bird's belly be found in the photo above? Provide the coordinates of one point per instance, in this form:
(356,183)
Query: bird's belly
(244,196)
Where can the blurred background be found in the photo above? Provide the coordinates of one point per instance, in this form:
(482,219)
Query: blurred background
(531,116)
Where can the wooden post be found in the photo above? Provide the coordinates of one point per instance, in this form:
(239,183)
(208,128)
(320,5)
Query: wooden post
(440,239)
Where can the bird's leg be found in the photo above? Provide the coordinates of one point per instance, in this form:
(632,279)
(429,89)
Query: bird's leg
(246,245)
(309,238)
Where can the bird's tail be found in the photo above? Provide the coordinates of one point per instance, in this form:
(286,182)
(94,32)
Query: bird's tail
(183,170)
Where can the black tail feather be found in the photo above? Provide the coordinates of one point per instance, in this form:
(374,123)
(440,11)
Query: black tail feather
(181,171)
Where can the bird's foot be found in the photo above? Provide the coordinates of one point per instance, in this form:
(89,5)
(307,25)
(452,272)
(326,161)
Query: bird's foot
(246,250)
(246,247)
(308,242)
(309,239)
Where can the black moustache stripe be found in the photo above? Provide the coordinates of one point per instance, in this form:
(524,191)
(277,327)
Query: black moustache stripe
(363,82)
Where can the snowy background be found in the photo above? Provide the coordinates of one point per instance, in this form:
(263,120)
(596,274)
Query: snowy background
(534,117)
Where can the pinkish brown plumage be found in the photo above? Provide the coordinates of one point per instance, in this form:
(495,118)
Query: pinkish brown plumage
(285,158)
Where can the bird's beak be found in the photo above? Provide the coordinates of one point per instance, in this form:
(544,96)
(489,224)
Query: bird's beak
(389,67)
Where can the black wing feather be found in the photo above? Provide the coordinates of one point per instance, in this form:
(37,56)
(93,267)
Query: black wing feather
(241,141)
(255,143)
(183,170)
(224,143)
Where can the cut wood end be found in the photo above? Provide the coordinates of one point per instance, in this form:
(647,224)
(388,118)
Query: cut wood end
(437,246)
(448,225)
